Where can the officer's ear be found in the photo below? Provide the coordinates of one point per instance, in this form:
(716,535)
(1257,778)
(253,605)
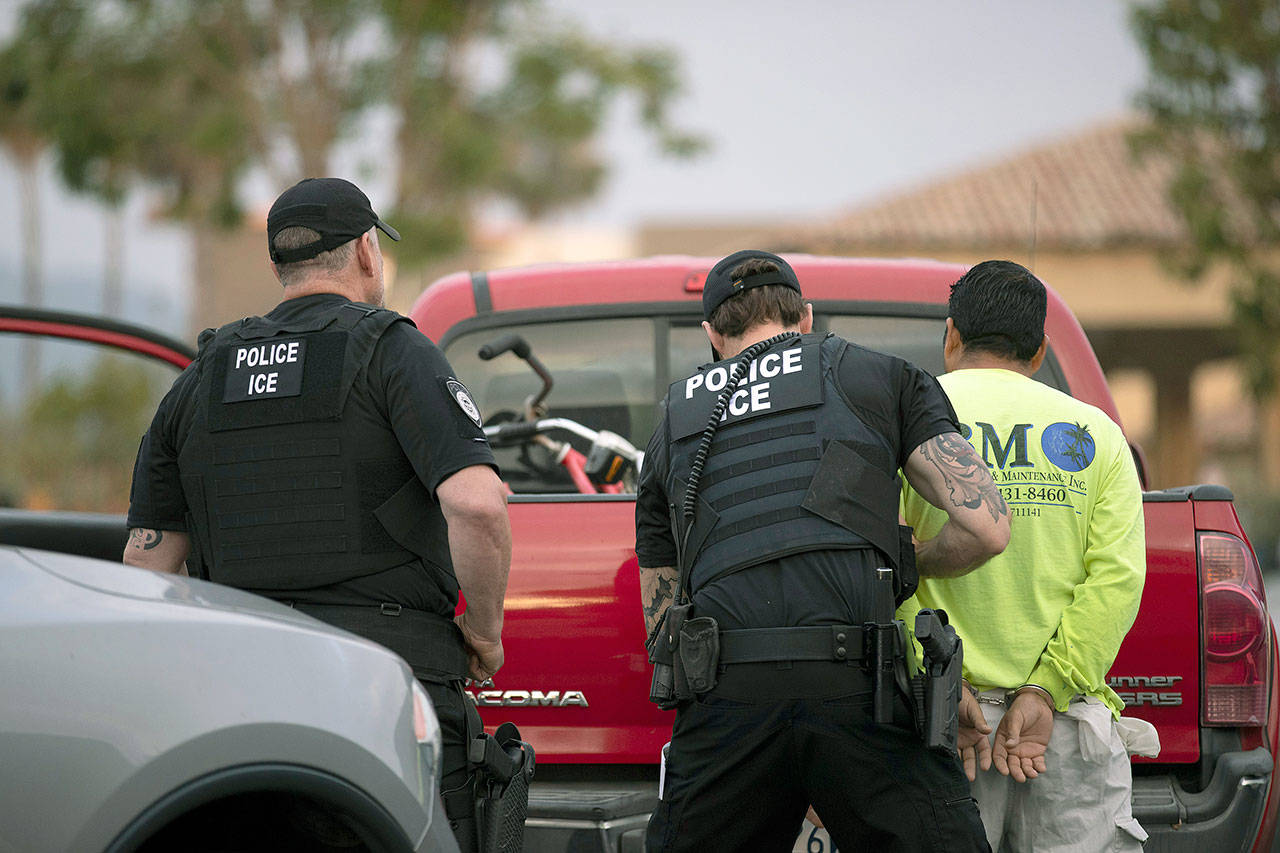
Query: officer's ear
(806,322)
(367,253)
(275,271)
(717,339)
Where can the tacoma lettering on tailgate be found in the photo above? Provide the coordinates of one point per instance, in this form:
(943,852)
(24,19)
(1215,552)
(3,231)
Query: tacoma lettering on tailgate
(529,698)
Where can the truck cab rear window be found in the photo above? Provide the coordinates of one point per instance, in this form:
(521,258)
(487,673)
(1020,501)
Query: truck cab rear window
(610,373)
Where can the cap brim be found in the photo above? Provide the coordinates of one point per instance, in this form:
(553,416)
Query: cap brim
(387,229)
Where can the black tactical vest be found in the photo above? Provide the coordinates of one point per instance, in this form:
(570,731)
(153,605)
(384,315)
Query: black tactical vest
(792,468)
(293,480)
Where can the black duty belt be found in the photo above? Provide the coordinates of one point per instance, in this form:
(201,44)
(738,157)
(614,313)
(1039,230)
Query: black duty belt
(431,644)
(760,645)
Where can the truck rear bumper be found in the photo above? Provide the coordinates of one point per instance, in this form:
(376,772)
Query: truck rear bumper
(1225,816)
(588,816)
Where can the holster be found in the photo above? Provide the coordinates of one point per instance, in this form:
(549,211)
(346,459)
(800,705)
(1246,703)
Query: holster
(937,688)
(504,766)
(685,653)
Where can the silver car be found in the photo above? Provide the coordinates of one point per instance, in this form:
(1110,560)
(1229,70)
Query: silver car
(141,711)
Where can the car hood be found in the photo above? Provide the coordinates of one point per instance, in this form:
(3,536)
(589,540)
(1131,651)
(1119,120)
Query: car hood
(144,585)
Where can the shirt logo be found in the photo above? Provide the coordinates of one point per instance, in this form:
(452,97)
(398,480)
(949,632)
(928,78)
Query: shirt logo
(464,401)
(1068,446)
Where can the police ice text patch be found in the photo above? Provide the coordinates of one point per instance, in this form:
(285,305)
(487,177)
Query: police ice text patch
(264,370)
(459,393)
(776,382)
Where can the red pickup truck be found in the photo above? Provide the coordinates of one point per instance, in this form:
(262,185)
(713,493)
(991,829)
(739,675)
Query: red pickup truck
(1199,663)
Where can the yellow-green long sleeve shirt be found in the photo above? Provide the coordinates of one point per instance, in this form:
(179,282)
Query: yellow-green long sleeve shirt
(1054,607)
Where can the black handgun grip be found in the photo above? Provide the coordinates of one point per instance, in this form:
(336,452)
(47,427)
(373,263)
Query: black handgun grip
(936,637)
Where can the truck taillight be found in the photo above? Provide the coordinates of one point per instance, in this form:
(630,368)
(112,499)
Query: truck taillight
(1233,626)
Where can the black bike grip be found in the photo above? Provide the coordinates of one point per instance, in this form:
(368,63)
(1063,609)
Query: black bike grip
(517,431)
(498,346)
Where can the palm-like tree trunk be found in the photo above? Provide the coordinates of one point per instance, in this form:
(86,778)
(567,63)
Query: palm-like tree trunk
(113,262)
(27,161)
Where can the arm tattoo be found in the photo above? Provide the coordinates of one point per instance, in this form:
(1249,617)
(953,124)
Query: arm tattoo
(657,591)
(144,539)
(964,474)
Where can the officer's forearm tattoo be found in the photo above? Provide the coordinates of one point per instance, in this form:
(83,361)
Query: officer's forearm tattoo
(657,591)
(144,539)
(964,474)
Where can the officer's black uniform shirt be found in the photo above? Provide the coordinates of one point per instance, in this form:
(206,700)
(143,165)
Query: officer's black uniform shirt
(401,382)
(892,396)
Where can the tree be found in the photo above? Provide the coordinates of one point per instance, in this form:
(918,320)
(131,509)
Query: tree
(487,100)
(1213,99)
(22,139)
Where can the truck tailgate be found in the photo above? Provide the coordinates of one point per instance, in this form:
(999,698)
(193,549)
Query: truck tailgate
(1157,672)
(576,678)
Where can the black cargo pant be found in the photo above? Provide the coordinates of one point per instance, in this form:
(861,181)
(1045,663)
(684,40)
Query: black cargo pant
(747,759)
(415,636)
(459,721)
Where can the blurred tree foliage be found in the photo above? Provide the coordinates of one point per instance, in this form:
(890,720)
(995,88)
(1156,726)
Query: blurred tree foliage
(72,445)
(1213,99)
(484,100)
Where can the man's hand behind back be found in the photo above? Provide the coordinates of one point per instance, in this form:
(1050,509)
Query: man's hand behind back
(972,741)
(1023,736)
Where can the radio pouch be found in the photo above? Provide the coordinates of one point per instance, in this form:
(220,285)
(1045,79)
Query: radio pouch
(699,653)
(667,688)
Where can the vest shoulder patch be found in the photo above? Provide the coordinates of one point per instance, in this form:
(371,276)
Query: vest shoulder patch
(460,395)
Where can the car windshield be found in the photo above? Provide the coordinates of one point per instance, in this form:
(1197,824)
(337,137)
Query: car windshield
(610,373)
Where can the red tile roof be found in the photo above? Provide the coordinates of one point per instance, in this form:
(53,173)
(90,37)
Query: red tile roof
(1084,191)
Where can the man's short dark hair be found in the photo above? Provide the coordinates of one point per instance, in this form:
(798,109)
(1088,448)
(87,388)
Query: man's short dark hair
(330,262)
(998,307)
(768,303)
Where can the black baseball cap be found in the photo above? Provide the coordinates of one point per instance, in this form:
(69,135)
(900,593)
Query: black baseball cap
(332,207)
(719,286)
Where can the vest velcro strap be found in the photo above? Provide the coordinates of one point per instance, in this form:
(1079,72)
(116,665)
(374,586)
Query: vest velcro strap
(281,515)
(431,644)
(722,532)
(767,434)
(306,448)
(773,460)
(762,645)
(777,487)
(235,486)
(278,548)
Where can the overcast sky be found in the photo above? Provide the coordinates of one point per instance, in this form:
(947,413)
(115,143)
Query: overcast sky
(810,107)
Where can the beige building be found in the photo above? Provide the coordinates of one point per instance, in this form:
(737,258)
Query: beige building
(1091,220)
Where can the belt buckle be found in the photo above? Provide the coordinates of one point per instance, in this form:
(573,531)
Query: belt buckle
(389,609)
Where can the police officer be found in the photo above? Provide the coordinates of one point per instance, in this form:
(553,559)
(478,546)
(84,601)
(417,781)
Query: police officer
(325,456)
(796,508)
